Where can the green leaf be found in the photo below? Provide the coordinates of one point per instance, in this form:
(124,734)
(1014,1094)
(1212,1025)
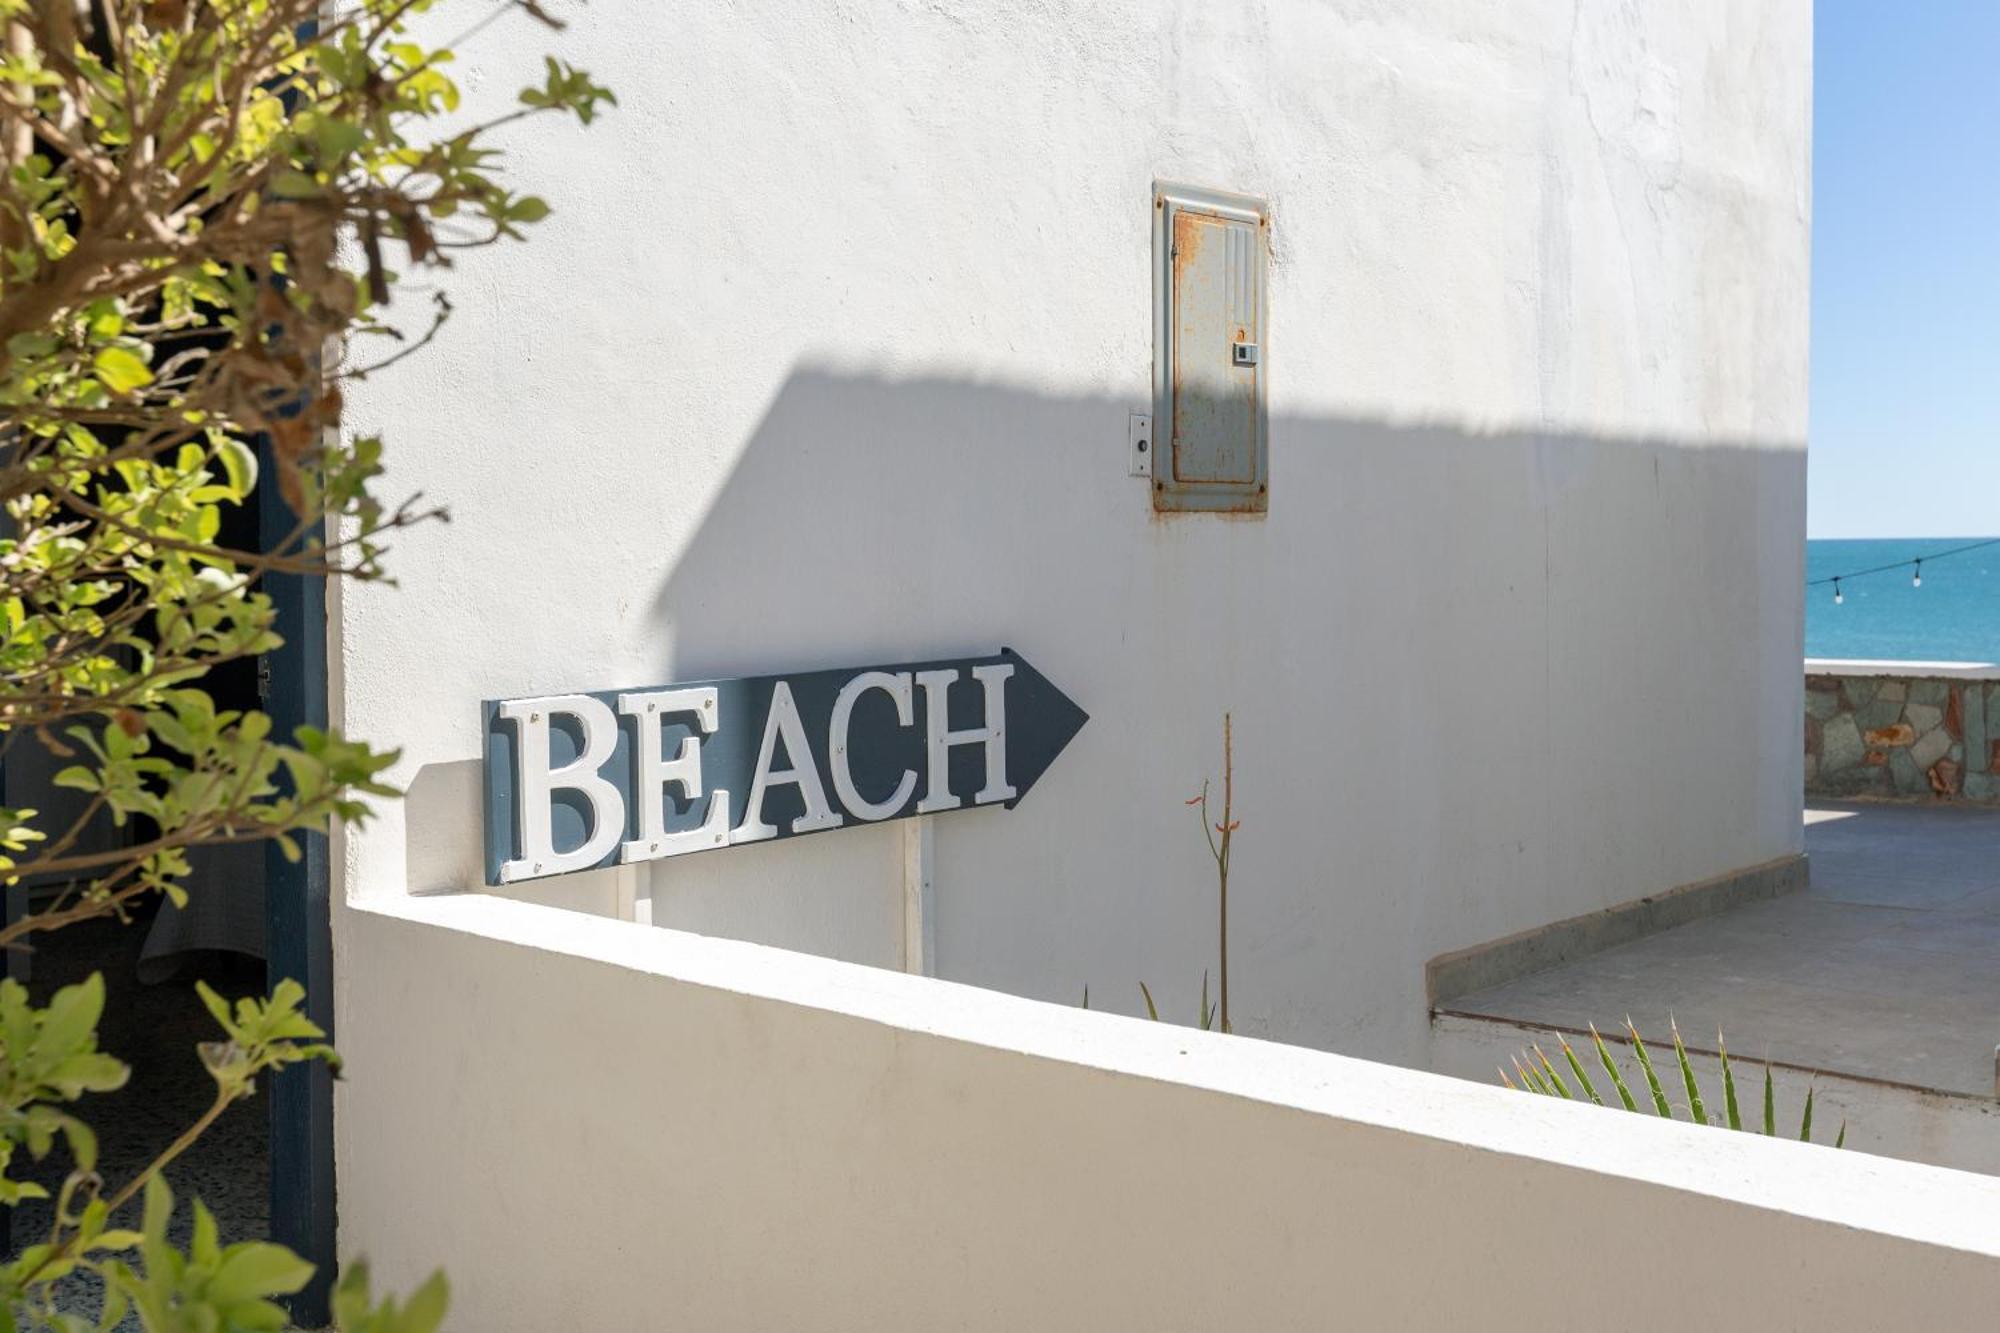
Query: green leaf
(427,1306)
(257,1269)
(30,346)
(1152,1010)
(292,184)
(1611,1068)
(337,138)
(259,1316)
(116,1240)
(1549,1072)
(117,1278)
(1730,1115)
(120,370)
(82,1142)
(286,997)
(239,464)
(218,1008)
(1770,1102)
(1576,1068)
(1696,1111)
(72,1017)
(1660,1102)
(1805,1120)
(205,1245)
(159,1207)
(77,778)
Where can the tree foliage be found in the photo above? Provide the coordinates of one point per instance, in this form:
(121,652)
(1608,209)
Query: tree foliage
(198,199)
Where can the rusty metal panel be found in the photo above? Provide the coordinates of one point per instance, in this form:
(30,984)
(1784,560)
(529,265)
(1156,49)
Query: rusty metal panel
(1210,364)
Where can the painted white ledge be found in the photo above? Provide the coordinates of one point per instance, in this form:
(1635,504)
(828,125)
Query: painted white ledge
(1841,666)
(594,1124)
(1931,1205)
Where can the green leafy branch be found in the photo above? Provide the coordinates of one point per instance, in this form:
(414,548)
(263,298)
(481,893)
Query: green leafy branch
(51,1056)
(197,198)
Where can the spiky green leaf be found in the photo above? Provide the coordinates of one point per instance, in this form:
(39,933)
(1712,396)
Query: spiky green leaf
(1731,1117)
(1611,1068)
(1660,1102)
(1549,1072)
(1576,1068)
(1696,1111)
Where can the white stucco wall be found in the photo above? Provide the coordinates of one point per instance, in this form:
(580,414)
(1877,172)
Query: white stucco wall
(679,1133)
(825,358)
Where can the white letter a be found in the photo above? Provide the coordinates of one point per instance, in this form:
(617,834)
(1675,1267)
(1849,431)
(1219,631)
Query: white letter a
(782,723)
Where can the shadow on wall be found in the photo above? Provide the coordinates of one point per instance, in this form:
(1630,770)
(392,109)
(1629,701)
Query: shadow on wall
(1480,682)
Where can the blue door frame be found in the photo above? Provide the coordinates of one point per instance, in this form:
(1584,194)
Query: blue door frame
(298,934)
(298,923)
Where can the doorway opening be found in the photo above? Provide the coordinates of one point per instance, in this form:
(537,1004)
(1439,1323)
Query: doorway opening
(253,918)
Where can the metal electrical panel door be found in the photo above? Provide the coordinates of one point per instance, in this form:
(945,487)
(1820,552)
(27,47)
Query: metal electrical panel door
(1210,254)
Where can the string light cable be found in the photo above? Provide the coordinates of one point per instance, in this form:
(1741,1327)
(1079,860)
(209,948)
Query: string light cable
(1914,564)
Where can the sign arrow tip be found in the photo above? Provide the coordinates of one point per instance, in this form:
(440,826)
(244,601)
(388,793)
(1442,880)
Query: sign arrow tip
(1042,719)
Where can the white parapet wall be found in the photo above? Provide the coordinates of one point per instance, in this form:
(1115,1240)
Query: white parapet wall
(595,1125)
(1856,666)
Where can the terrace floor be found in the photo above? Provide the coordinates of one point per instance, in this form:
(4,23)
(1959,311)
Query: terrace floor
(1886,968)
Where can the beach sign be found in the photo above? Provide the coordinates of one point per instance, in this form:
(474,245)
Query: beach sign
(613,777)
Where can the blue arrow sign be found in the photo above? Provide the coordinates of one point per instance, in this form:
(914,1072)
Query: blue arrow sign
(612,777)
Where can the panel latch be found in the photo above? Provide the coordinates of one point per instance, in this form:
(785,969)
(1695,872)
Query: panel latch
(1139,444)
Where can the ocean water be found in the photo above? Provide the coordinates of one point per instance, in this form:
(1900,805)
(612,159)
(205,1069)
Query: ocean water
(1954,617)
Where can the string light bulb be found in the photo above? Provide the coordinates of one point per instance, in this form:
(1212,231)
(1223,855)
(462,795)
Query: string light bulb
(1916,565)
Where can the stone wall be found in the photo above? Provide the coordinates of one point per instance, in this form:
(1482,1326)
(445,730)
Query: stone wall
(1903,736)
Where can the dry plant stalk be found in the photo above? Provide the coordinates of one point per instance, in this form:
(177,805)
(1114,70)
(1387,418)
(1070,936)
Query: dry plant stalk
(1219,835)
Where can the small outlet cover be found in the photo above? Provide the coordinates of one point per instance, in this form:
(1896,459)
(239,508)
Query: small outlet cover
(1139,443)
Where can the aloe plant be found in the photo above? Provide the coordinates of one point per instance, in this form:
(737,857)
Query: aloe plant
(1206,1017)
(1535,1072)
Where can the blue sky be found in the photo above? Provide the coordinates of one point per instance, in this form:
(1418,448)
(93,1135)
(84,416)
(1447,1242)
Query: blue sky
(1905,437)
